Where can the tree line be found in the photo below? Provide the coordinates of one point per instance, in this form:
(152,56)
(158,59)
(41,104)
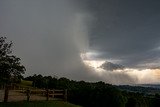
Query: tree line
(98,94)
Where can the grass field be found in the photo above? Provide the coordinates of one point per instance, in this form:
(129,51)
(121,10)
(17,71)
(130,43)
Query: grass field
(38,104)
(26,83)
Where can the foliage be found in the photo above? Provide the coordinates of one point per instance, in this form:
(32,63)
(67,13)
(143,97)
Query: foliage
(10,66)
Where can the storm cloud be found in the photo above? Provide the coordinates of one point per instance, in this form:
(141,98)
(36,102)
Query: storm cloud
(48,36)
(125,30)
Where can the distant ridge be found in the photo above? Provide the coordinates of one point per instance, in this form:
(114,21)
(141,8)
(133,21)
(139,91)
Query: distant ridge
(149,85)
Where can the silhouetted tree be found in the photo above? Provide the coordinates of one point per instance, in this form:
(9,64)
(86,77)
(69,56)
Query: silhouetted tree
(10,66)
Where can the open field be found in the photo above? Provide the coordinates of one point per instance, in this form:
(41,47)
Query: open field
(38,104)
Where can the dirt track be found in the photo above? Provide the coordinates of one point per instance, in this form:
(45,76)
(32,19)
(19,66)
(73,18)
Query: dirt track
(19,96)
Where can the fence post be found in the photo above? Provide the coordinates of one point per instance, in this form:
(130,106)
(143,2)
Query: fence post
(28,94)
(47,94)
(65,95)
(53,93)
(6,93)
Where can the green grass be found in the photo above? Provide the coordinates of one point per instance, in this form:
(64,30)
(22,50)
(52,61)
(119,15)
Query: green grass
(38,104)
(26,83)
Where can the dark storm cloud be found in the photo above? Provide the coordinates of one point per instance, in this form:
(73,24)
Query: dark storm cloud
(111,66)
(125,29)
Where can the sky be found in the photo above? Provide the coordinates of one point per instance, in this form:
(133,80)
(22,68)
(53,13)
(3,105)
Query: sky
(74,38)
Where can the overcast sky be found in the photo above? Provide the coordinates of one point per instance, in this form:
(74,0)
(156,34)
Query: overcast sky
(50,35)
(127,30)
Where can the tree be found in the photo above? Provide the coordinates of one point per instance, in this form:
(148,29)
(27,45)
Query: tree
(10,67)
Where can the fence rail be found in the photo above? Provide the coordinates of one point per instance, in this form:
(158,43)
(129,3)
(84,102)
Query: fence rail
(33,94)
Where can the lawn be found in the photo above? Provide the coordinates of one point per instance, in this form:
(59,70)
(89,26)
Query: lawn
(26,83)
(38,104)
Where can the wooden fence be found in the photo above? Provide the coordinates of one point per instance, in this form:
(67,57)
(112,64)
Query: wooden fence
(30,94)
